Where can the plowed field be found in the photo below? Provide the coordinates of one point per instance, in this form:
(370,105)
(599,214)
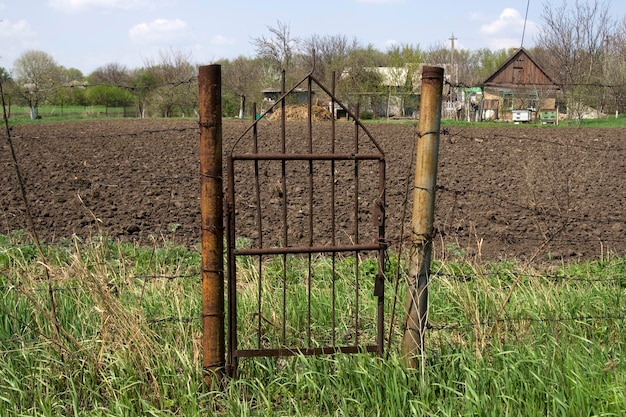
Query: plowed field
(510,192)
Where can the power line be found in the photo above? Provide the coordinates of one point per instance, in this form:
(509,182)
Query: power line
(525,19)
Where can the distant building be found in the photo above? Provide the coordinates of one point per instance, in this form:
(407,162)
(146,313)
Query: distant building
(298,96)
(399,95)
(519,90)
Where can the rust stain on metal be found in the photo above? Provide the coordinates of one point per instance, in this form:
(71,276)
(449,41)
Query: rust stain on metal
(211,214)
(313,165)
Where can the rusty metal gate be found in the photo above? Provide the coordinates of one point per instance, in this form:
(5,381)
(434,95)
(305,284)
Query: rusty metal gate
(305,204)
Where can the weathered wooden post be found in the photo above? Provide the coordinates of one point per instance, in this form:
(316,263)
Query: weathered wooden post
(423,214)
(212,229)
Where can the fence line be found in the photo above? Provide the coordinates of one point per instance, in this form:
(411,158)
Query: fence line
(431,327)
(459,326)
(194,80)
(453,135)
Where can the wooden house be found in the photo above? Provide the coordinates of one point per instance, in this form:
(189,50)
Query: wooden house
(520,90)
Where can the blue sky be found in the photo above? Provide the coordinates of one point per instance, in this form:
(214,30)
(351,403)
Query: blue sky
(87,34)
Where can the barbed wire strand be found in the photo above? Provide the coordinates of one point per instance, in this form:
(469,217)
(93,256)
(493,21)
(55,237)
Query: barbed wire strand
(454,134)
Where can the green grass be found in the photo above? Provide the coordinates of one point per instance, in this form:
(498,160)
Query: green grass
(506,340)
(608,122)
(47,114)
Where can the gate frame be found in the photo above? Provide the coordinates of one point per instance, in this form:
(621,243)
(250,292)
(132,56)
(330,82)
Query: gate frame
(380,245)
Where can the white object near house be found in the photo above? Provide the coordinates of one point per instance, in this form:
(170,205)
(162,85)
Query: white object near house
(521,115)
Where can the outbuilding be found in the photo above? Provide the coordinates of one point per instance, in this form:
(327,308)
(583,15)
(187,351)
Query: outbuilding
(520,91)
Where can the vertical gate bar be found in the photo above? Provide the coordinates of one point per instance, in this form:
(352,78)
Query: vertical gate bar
(255,149)
(259,221)
(259,302)
(381,255)
(379,212)
(332,204)
(283,149)
(232,270)
(356,182)
(310,272)
(356,231)
(212,226)
(333,300)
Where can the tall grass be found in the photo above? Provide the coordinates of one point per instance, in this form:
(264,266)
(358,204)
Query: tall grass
(131,339)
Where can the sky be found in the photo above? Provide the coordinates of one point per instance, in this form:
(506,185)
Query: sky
(88,34)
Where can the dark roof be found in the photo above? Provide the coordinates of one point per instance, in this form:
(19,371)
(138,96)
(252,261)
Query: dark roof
(541,78)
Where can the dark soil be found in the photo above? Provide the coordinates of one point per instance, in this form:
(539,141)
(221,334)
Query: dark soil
(511,192)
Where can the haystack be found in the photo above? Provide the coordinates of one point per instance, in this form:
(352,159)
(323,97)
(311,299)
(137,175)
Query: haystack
(300,112)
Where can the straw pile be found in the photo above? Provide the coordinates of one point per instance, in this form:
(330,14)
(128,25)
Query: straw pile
(300,112)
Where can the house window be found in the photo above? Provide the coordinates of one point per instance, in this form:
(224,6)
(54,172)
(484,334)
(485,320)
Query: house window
(507,100)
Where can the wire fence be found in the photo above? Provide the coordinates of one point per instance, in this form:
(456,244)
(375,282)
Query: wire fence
(184,101)
(618,282)
(567,185)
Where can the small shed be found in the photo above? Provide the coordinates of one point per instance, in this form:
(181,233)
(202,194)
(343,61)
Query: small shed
(519,89)
(298,96)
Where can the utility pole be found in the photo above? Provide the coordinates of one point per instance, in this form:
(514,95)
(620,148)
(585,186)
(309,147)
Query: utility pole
(452,64)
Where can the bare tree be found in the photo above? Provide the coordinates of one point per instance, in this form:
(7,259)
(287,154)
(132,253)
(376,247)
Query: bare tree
(37,75)
(402,77)
(114,74)
(331,53)
(73,88)
(362,83)
(176,79)
(484,62)
(7,83)
(240,77)
(573,36)
(279,49)
(143,86)
(615,68)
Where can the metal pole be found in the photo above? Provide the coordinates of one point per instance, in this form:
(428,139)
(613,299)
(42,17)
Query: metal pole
(212,229)
(423,214)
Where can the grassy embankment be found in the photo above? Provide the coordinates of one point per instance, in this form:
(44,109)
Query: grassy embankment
(124,339)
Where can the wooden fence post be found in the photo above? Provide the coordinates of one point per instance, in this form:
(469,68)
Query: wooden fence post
(212,227)
(423,215)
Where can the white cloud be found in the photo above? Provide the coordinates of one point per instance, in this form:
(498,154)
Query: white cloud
(478,16)
(503,43)
(15,37)
(77,5)
(391,43)
(18,30)
(159,30)
(220,40)
(508,19)
(506,31)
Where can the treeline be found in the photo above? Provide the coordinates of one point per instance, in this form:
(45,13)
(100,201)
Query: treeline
(581,47)
(167,87)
